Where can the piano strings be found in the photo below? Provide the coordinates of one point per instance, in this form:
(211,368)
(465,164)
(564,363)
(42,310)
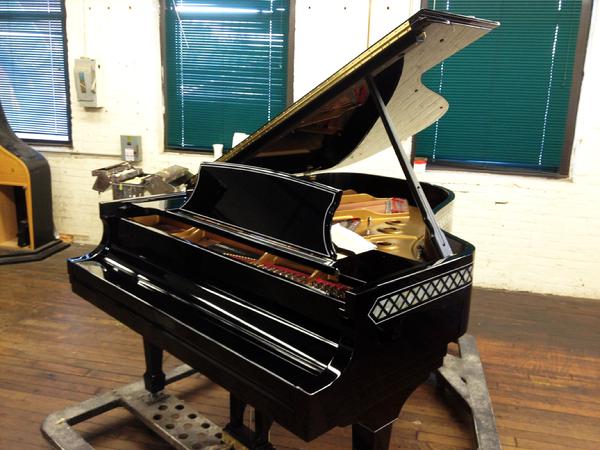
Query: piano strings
(389,223)
(299,273)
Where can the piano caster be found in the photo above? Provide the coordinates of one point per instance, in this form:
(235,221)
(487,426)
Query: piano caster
(257,439)
(464,377)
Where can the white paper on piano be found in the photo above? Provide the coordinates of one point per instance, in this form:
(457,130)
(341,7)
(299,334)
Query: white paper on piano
(238,137)
(349,240)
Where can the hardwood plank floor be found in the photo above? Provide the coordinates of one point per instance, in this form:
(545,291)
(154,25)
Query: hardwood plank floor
(541,356)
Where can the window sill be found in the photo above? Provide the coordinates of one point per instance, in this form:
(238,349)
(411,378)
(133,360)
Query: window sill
(203,152)
(66,150)
(45,148)
(449,167)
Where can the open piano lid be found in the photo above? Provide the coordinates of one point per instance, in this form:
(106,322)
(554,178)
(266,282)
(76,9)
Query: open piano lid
(337,122)
(371,103)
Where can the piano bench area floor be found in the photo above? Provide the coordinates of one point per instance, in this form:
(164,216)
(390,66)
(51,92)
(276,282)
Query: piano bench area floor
(541,356)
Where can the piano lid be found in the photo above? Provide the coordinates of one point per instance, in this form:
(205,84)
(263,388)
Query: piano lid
(338,123)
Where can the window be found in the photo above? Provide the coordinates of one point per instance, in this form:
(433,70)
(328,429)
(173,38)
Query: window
(513,94)
(226,68)
(33,81)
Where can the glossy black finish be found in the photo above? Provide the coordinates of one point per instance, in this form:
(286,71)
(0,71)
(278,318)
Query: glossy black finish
(26,255)
(39,171)
(154,377)
(256,439)
(437,196)
(345,93)
(303,357)
(45,242)
(284,208)
(311,361)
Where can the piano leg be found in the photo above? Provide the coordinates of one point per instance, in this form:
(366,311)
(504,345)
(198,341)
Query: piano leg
(236,412)
(364,438)
(257,439)
(374,430)
(154,377)
(262,428)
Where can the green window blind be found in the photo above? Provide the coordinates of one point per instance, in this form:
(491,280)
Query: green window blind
(508,92)
(226,68)
(33,81)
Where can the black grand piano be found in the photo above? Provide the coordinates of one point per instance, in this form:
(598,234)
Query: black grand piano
(319,296)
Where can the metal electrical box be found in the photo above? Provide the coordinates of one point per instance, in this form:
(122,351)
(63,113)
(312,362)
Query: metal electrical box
(131,148)
(86,82)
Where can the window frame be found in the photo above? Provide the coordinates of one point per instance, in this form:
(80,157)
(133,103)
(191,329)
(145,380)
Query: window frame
(571,118)
(69,142)
(163,55)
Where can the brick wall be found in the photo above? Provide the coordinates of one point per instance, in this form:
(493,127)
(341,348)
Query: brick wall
(534,234)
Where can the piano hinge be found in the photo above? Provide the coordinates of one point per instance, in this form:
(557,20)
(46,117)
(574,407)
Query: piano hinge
(309,176)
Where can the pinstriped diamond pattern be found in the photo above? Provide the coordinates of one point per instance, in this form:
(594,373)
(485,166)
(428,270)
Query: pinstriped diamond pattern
(387,307)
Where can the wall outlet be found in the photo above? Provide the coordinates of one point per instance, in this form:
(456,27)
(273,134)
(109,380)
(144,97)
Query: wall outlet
(131,148)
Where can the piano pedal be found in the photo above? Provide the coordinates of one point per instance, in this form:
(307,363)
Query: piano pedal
(171,418)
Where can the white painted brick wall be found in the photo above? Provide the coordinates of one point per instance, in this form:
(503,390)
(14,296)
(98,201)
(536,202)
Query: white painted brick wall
(75,203)
(533,234)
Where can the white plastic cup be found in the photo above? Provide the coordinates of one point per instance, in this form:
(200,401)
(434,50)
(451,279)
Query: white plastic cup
(420,165)
(218,150)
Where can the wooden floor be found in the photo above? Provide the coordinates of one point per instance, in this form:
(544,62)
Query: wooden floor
(541,356)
